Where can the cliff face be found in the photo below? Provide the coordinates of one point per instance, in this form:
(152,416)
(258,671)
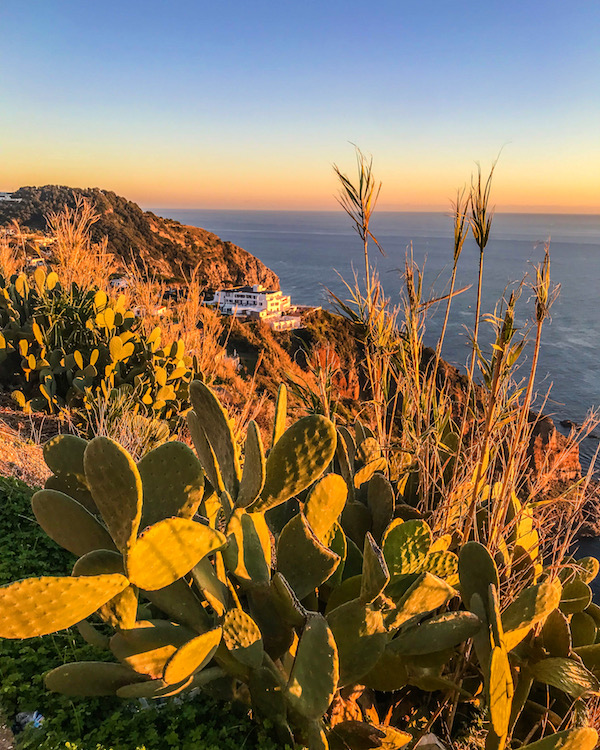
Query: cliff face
(167,247)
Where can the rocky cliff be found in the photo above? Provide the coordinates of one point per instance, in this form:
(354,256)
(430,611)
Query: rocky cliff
(167,247)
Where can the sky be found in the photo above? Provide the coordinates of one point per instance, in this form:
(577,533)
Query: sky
(248,103)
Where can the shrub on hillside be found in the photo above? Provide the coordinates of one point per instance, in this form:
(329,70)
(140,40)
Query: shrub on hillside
(66,347)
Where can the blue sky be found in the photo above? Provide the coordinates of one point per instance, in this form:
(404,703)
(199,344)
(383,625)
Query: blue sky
(238,104)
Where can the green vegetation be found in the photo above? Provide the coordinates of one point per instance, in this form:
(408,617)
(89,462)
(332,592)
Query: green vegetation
(377,600)
(67,347)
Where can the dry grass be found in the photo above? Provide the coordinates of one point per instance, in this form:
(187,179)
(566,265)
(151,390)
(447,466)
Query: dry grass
(470,455)
(12,255)
(21,439)
(78,259)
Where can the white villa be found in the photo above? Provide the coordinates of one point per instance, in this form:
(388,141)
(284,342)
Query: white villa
(273,308)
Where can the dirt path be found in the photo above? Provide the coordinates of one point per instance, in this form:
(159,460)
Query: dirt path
(7,741)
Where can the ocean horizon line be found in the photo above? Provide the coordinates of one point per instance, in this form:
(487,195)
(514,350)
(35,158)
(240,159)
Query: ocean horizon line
(437,212)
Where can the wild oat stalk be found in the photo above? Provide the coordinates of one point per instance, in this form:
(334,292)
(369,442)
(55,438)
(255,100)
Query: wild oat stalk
(358,199)
(495,373)
(460,209)
(545,295)
(480,222)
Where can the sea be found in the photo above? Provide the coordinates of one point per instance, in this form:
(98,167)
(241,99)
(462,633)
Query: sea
(315,253)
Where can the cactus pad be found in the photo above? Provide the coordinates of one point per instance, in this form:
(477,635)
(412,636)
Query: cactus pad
(280,414)
(426,594)
(356,522)
(286,602)
(147,647)
(217,428)
(583,738)
(437,634)
(267,696)
(90,678)
(389,673)
(121,610)
(405,546)
(583,629)
(375,575)
(364,474)
(180,603)
(277,634)
(153,689)
(38,606)
(476,570)
(298,458)
(64,455)
(116,487)
(532,605)
(242,637)
(576,596)
(380,499)
(71,486)
(192,656)
(567,675)
(368,450)
(69,524)
(314,677)
(325,504)
(172,481)
(556,634)
(206,454)
(169,550)
(500,688)
(590,655)
(254,473)
(345,468)
(360,634)
(303,561)
(337,543)
(588,568)
(442,564)
(212,587)
(248,553)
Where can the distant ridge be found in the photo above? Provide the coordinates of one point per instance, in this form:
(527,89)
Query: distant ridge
(169,248)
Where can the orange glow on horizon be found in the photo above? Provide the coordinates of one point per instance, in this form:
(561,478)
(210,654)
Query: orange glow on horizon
(260,186)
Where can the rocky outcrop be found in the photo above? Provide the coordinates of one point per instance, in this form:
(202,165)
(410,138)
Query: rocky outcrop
(168,248)
(552,456)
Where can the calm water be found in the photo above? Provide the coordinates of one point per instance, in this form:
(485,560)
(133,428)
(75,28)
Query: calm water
(308,249)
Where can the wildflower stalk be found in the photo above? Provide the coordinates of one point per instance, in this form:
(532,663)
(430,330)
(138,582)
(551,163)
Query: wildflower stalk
(494,376)
(545,296)
(359,200)
(480,221)
(461,228)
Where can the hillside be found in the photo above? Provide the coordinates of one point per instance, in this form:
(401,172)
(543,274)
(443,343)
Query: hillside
(169,248)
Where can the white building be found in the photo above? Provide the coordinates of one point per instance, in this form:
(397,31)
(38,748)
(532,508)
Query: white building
(249,300)
(257,302)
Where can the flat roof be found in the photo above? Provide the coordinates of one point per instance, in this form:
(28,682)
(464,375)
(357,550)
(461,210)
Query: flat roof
(249,289)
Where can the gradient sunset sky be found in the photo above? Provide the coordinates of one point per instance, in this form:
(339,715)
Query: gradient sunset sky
(247,103)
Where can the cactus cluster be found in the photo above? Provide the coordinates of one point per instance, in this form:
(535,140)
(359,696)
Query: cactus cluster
(286,577)
(62,347)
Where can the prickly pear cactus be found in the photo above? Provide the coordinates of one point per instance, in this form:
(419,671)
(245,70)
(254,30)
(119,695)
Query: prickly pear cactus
(296,586)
